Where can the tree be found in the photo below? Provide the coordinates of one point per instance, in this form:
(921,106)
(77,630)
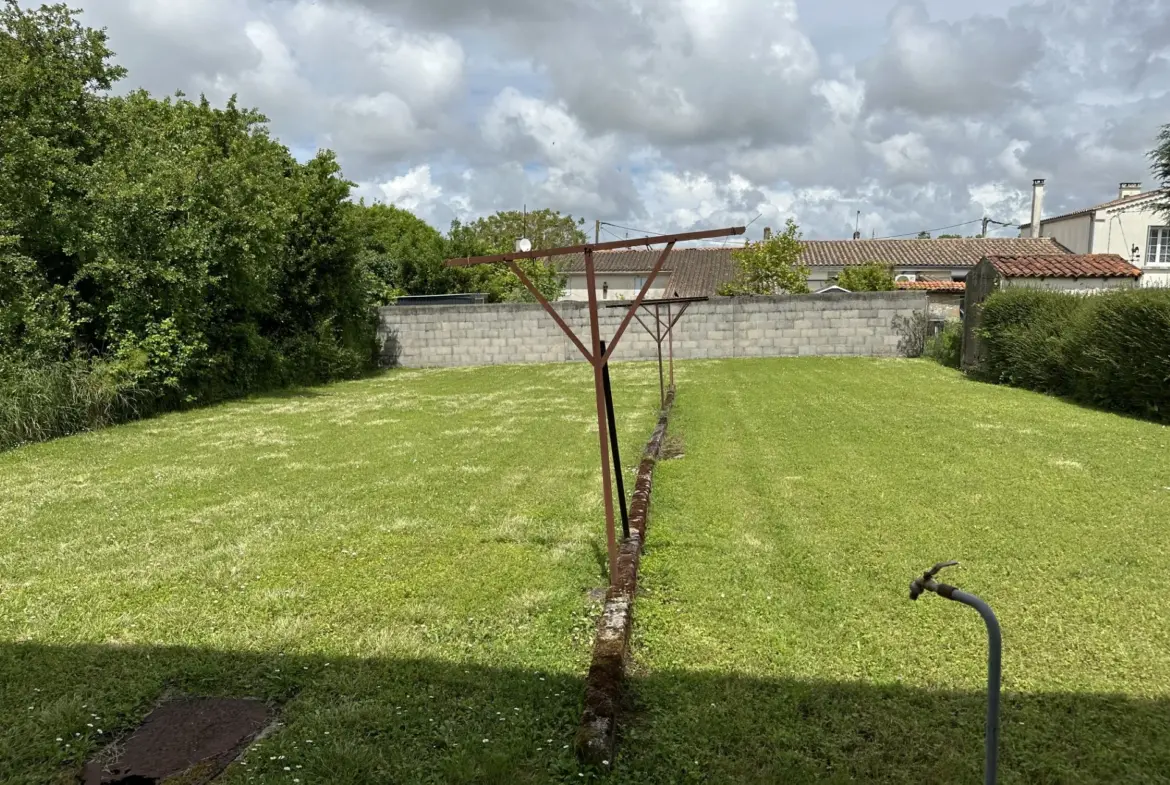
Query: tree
(923,235)
(170,248)
(52,127)
(496,234)
(872,277)
(403,253)
(545,228)
(771,266)
(1160,157)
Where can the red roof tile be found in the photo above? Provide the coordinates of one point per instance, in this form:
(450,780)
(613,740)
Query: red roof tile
(934,286)
(1102,265)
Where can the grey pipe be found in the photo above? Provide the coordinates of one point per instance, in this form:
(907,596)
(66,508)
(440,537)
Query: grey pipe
(994,660)
(994,677)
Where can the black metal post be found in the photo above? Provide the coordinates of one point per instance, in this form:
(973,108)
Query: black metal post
(613,442)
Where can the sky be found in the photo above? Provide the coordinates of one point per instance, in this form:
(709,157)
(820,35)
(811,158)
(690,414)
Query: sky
(674,115)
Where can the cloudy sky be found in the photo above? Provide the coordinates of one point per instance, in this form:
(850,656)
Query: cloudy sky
(676,114)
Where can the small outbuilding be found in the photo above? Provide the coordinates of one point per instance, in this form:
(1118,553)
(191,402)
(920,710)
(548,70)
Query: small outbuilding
(1073,273)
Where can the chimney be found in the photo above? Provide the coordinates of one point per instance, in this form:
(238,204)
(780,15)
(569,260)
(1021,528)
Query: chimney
(1037,205)
(767,232)
(1129,189)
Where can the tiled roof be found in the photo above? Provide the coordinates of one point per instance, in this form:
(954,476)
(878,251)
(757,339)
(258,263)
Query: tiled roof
(934,286)
(964,252)
(1123,202)
(839,253)
(688,272)
(1102,265)
(701,277)
(641,261)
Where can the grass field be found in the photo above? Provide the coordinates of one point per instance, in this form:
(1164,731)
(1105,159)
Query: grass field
(403,564)
(777,643)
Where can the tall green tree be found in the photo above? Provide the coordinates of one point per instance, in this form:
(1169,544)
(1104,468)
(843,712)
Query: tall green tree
(498,233)
(545,228)
(872,277)
(1160,165)
(52,130)
(404,253)
(771,266)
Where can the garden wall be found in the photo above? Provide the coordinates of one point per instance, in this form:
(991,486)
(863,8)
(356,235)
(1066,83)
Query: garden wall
(788,326)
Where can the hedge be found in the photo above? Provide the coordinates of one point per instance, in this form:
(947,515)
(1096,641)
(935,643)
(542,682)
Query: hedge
(1110,350)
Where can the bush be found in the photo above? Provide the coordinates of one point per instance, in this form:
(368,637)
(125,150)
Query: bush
(946,348)
(1023,332)
(45,401)
(1119,353)
(872,277)
(1110,350)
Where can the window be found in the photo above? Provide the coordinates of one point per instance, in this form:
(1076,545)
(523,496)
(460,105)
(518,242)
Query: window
(1158,251)
(639,282)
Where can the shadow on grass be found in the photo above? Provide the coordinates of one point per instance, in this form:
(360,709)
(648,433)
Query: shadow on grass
(403,721)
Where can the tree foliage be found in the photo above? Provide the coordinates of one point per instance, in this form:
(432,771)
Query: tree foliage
(498,233)
(173,244)
(403,253)
(771,266)
(1160,165)
(872,277)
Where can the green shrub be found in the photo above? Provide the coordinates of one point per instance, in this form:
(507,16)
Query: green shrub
(1023,333)
(48,400)
(1119,352)
(872,277)
(946,348)
(1110,350)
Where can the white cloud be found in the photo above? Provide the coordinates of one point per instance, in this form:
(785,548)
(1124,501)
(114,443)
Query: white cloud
(685,113)
(410,191)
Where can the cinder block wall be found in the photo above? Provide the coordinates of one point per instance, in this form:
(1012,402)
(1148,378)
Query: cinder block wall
(808,325)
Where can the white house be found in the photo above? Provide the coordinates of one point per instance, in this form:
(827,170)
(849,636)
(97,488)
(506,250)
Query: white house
(1130,226)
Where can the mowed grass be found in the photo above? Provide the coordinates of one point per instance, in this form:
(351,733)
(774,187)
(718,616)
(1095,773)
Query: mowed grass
(401,564)
(776,642)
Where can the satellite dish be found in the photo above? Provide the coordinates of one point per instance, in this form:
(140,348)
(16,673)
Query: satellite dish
(523,245)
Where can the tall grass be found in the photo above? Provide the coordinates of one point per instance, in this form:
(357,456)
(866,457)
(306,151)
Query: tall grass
(41,402)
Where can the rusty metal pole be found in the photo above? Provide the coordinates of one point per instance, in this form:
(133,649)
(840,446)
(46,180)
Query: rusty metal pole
(658,340)
(598,363)
(670,343)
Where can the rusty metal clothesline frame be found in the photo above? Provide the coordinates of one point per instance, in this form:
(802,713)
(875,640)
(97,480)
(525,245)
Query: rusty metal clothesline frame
(664,331)
(599,357)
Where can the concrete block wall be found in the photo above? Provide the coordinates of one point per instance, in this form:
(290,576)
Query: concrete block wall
(787,326)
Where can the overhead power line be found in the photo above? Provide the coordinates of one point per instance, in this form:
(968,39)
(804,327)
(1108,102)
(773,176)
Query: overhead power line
(931,231)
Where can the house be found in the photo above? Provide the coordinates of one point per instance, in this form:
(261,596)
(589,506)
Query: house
(1080,273)
(1130,226)
(699,272)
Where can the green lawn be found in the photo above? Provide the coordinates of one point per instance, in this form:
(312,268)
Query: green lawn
(776,641)
(403,565)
